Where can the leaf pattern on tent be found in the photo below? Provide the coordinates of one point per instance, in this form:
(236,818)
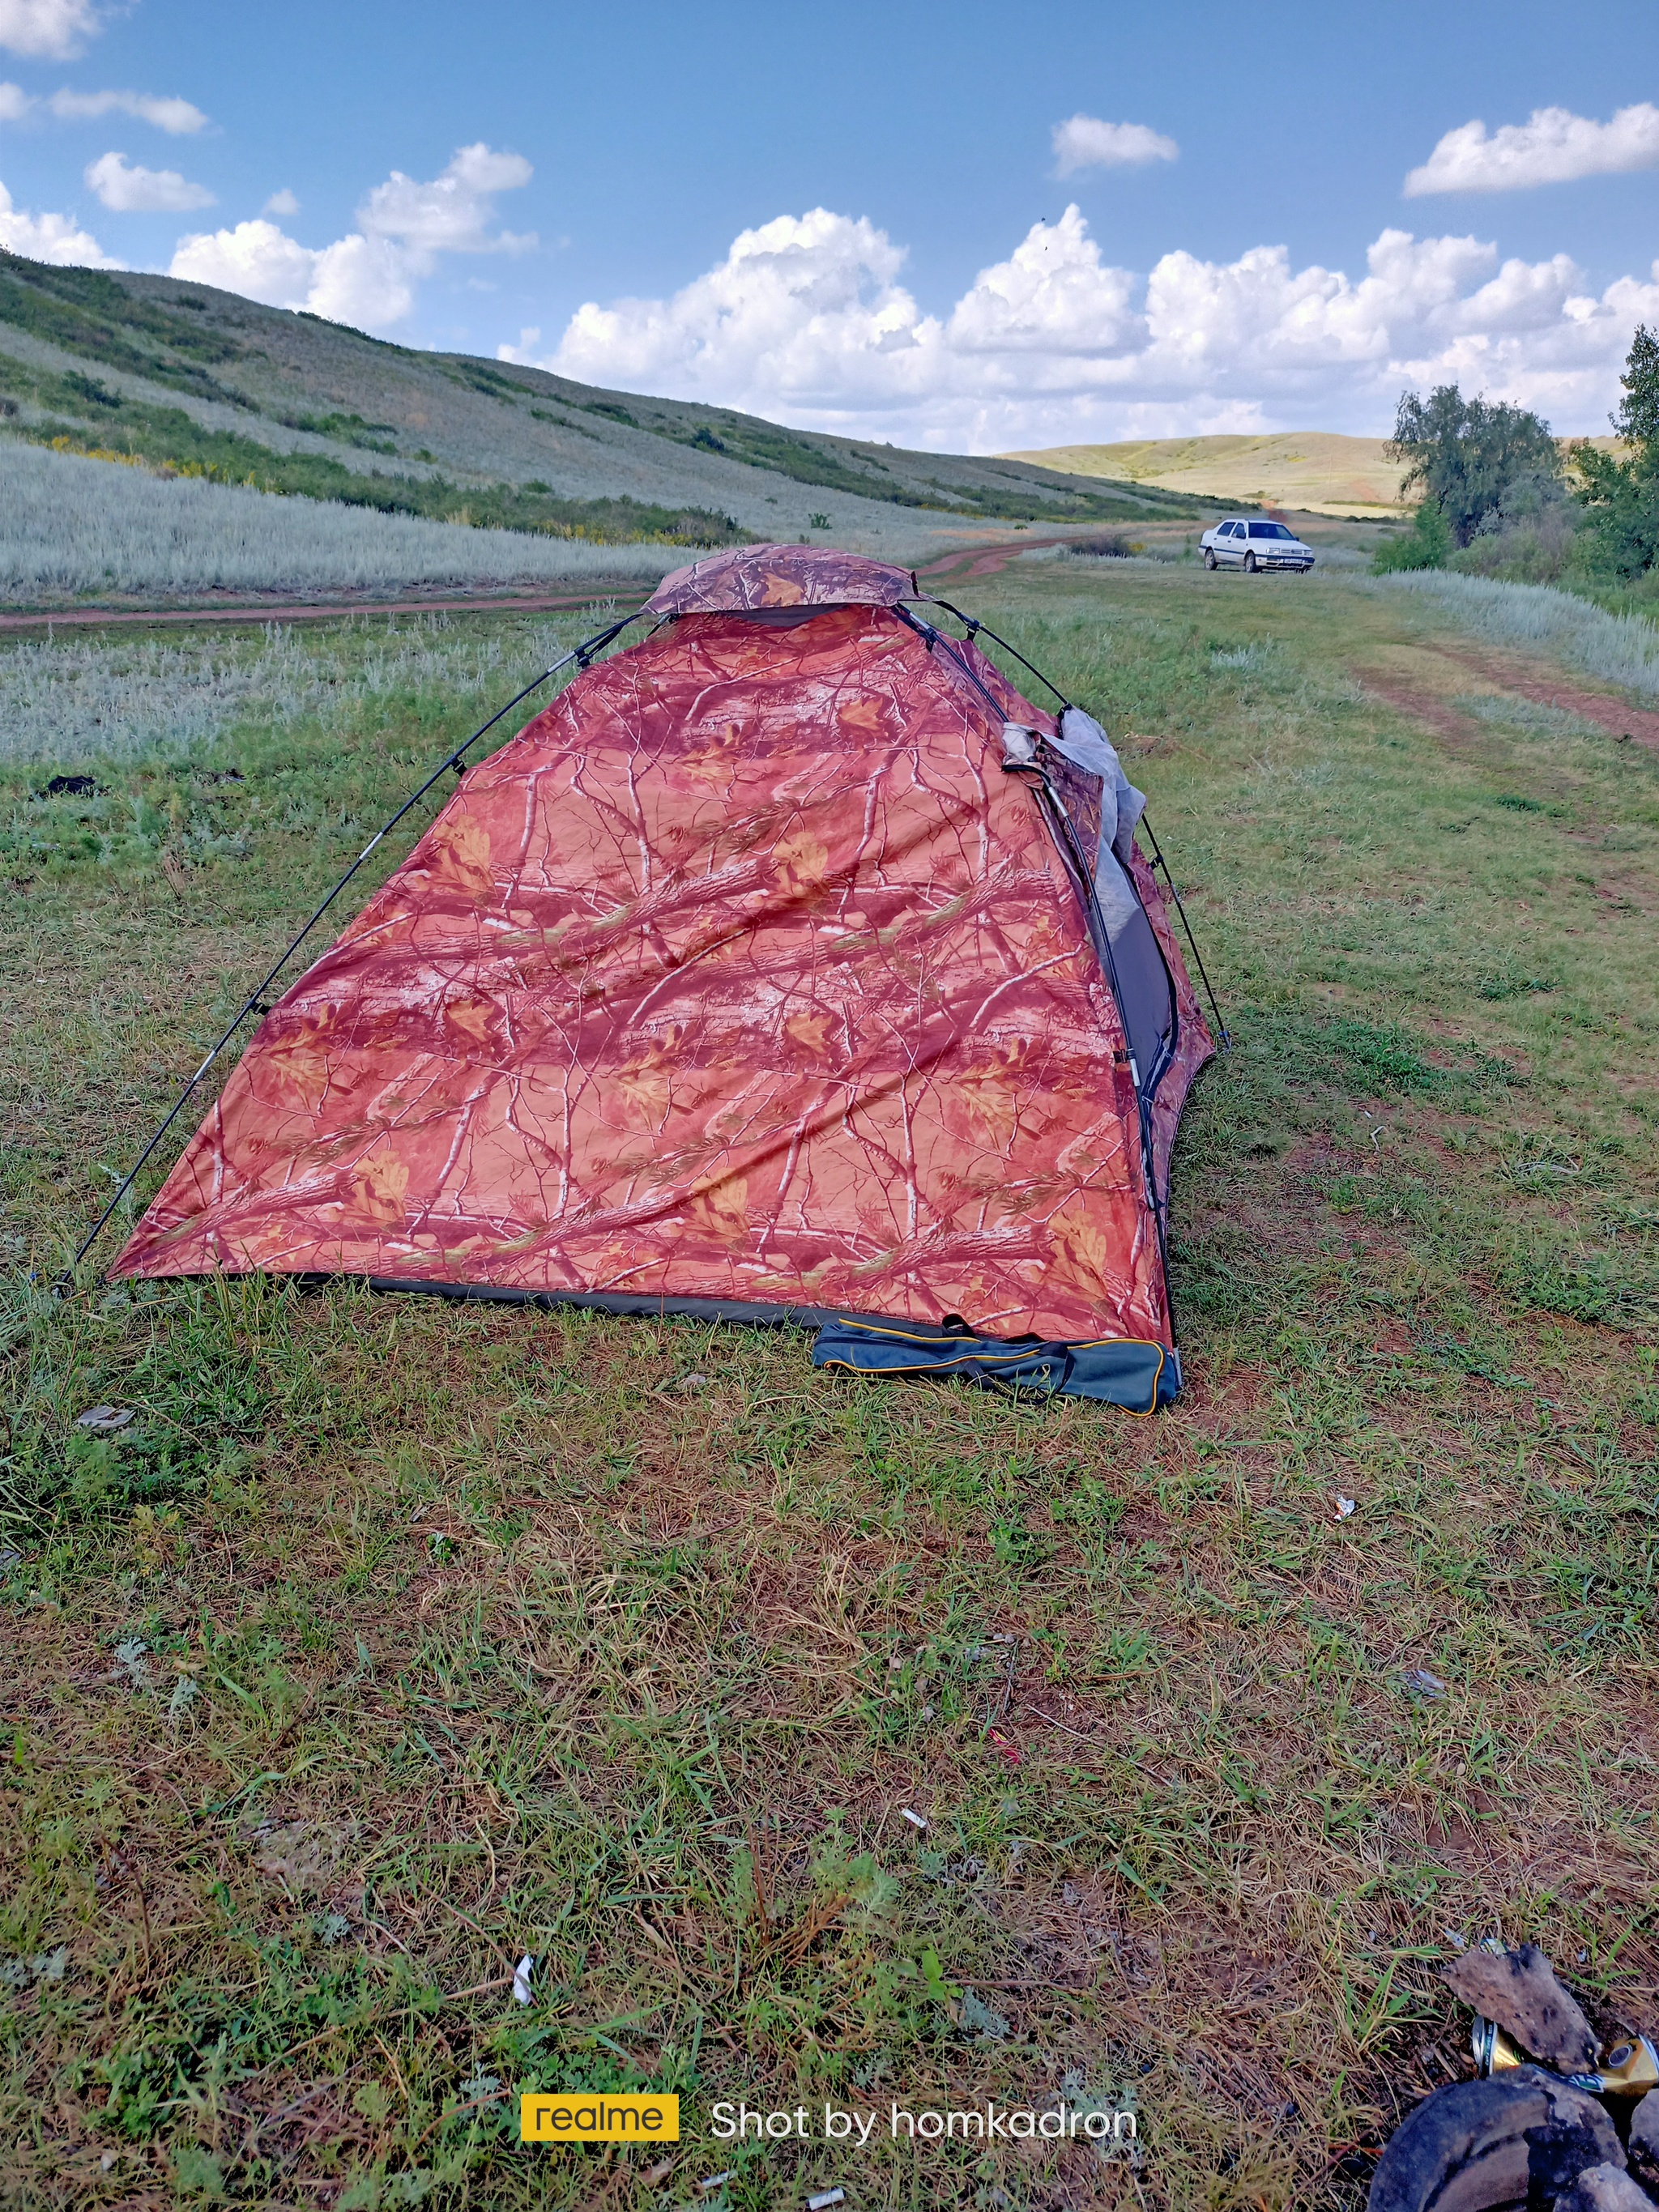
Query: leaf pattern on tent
(751,577)
(742,973)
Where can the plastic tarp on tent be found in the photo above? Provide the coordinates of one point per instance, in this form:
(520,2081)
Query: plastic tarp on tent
(748,980)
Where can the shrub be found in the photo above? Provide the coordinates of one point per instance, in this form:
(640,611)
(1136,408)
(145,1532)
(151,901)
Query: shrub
(1426,544)
(1528,538)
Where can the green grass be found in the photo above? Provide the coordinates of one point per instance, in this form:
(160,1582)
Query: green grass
(87,313)
(103,423)
(467,1632)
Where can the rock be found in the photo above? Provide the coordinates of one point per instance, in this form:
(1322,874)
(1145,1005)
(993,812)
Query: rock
(1522,2139)
(1645,2137)
(1604,2189)
(1519,1990)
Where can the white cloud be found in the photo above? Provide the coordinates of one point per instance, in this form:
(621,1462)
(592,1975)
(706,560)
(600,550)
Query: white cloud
(281,202)
(1051,295)
(805,308)
(53,27)
(55,238)
(356,280)
(805,320)
(127,189)
(454,213)
(15,103)
(180,118)
(1552,147)
(1085,143)
(366,278)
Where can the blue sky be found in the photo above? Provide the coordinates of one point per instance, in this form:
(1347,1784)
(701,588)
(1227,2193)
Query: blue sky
(910,269)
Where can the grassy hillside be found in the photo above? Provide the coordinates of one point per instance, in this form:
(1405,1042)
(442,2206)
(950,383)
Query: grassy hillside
(393,1639)
(1319,471)
(83,531)
(1316,471)
(207,383)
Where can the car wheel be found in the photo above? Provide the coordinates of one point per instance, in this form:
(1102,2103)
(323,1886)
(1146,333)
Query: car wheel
(1249,564)
(1209,556)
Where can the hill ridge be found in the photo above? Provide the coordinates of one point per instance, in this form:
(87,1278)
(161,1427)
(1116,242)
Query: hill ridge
(180,374)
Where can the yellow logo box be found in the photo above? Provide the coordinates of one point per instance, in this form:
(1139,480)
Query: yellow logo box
(590,2116)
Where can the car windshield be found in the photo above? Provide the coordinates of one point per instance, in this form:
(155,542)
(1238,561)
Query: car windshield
(1268,529)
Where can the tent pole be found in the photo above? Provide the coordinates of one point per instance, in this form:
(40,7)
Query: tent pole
(974,628)
(1222,1031)
(254,1001)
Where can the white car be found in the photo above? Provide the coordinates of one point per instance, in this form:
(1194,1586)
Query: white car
(1242,542)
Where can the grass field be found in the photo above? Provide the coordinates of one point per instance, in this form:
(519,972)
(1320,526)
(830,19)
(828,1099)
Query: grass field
(1321,471)
(394,1640)
(1315,471)
(72,528)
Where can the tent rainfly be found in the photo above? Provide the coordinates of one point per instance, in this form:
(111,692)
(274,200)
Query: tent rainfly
(789,966)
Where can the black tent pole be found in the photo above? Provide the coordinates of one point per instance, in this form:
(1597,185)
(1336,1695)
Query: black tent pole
(254,1001)
(974,628)
(1223,1032)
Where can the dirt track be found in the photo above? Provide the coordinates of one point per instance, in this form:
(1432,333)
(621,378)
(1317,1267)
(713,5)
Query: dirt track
(981,559)
(313,611)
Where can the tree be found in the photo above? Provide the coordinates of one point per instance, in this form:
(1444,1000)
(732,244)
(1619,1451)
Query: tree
(1466,452)
(1621,494)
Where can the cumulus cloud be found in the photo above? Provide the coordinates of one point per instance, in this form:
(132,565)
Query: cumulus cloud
(1085,143)
(1552,147)
(805,305)
(357,280)
(454,213)
(15,103)
(56,238)
(55,28)
(281,202)
(366,278)
(805,319)
(128,189)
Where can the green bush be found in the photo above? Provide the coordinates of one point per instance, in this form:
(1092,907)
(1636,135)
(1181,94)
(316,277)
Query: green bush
(1426,544)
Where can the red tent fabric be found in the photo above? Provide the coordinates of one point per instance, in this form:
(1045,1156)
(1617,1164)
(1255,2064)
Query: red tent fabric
(743,979)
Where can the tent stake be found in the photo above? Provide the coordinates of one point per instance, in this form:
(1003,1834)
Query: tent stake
(255,1001)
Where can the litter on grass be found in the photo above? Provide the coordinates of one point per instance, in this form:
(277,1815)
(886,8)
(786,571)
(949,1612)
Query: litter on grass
(824,2198)
(1002,1745)
(1546,2118)
(1417,1682)
(1343,1508)
(521,1979)
(914,1818)
(1520,1991)
(103,1419)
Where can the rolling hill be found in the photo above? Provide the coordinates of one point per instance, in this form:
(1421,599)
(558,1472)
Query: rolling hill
(204,383)
(1319,471)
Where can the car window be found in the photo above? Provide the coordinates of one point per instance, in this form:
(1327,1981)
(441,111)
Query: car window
(1230,530)
(1268,529)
